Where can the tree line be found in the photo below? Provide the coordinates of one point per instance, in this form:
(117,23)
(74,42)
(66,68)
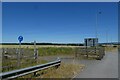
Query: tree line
(59,44)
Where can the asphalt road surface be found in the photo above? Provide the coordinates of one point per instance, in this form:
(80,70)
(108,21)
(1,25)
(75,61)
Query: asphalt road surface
(105,68)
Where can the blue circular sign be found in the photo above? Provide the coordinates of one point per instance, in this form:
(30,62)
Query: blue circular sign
(20,38)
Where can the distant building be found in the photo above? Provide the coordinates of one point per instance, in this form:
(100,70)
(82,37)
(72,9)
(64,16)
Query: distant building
(91,41)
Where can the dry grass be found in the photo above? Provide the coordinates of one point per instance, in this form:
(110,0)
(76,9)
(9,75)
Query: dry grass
(32,46)
(24,63)
(110,49)
(64,71)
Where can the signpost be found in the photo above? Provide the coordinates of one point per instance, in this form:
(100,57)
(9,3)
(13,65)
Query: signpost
(20,38)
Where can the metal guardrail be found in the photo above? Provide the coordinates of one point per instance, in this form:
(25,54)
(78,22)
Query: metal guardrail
(28,70)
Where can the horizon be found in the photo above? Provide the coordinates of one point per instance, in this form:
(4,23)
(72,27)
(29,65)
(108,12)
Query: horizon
(64,22)
(52,43)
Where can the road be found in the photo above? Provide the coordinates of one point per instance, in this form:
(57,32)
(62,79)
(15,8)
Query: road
(106,68)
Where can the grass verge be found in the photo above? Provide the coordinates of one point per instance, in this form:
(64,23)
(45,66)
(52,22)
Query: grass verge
(63,71)
(12,64)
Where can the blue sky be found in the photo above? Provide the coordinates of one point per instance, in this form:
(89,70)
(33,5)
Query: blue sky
(65,22)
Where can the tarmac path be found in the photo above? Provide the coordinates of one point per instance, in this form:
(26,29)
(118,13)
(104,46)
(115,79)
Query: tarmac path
(105,68)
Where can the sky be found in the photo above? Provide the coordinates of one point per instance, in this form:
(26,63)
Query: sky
(59,22)
(60,1)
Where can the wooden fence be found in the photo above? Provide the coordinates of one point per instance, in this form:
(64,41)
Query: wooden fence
(94,52)
(14,57)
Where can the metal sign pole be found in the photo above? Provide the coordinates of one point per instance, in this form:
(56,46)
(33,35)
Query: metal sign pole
(96,46)
(96,31)
(20,38)
(19,54)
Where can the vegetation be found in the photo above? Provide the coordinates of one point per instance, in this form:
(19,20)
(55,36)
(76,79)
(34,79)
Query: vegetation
(63,71)
(111,48)
(11,64)
(46,51)
(58,44)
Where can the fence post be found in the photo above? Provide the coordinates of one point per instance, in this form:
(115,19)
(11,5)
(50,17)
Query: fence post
(37,55)
(3,50)
(87,51)
(35,52)
(75,52)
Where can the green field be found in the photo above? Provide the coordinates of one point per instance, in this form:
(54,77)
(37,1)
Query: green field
(45,51)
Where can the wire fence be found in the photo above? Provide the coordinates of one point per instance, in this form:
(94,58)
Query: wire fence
(94,52)
(14,58)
